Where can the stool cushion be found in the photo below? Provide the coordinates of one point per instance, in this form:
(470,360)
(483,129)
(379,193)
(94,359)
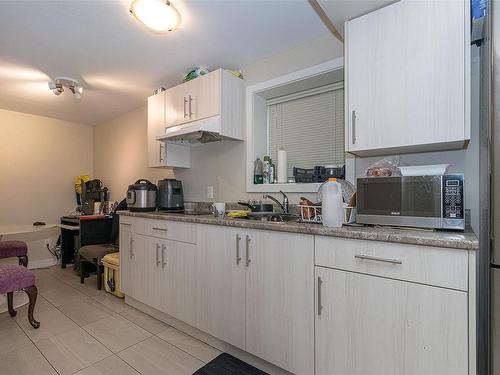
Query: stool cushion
(14,277)
(9,249)
(91,252)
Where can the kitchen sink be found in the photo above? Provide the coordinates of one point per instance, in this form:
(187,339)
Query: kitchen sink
(274,217)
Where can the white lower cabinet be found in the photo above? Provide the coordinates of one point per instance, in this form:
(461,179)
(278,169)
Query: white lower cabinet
(220,280)
(135,266)
(372,325)
(280,299)
(255,291)
(308,304)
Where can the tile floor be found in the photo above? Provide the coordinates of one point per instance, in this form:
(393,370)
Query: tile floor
(89,332)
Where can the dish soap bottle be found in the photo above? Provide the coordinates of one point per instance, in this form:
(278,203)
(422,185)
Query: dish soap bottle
(257,172)
(332,209)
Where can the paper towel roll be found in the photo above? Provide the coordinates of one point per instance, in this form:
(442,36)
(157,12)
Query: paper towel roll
(282,166)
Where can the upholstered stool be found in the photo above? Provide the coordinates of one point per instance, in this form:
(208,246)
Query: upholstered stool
(11,249)
(93,254)
(13,278)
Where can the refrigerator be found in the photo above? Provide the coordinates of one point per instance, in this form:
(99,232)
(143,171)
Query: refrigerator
(492,108)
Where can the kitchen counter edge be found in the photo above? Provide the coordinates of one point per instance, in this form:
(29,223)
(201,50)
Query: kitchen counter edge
(455,240)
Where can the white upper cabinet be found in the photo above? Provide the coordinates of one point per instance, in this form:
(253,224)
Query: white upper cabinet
(163,154)
(218,93)
(194,100)
(407,78)
(156,126)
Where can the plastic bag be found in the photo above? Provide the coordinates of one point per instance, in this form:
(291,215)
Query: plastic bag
(385,167)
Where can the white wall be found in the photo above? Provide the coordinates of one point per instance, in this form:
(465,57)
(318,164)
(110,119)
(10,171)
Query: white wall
(40,158)
(120,153)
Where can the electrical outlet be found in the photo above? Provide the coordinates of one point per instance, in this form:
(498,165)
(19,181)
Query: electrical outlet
(47,242)
(210,192)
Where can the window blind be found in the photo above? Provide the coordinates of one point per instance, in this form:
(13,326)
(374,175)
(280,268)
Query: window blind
(310,127)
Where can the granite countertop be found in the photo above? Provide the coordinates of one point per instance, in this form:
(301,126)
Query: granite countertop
(456,240)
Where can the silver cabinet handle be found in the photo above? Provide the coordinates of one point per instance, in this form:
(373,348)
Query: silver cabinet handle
(127,224)
(163,262)
(185,102)
(190,112)
(353,126)
(320,306)
(160,229)
(247,250)
(161,156)
(238,258)
(157,255)
(378,259)
(131,247)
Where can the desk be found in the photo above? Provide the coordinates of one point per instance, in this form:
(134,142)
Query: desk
(76,233)
(9,229)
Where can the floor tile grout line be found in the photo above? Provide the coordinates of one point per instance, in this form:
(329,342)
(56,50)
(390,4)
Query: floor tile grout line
(38,349)
(183,350)
(92,364)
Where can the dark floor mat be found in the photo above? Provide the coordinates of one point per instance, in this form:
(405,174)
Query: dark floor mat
(226,364)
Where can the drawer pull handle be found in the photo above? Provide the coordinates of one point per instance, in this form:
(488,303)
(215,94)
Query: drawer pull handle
(378,259)
(157,255)
(125,224)
(238,258)
(320,305)
(162,229)
(247,250)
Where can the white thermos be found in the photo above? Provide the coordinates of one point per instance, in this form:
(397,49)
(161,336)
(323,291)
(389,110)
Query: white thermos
(282,166)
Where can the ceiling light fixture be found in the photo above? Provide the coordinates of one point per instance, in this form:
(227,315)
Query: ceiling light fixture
(58,84)
(158,16)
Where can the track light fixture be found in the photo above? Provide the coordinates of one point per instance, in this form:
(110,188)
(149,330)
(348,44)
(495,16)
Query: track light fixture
(58,84)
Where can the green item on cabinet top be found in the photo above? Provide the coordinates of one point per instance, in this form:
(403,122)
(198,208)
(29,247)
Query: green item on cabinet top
(195,73)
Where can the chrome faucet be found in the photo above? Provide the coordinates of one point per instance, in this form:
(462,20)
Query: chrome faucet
(283,206)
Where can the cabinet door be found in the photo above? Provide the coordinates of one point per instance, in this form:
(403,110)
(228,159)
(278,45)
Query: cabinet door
(125,269)
(204,96)
(221,284)
(373,325)
(280,299)
(175,289)
(406,73)
(156,127)
(138,283)
(177,105)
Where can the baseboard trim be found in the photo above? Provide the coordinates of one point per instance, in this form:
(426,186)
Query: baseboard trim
(206,338)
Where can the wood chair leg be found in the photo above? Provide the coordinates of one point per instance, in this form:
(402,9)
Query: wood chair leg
(10,304)
(23,260)
(99,276)
(32,293)
(82,272)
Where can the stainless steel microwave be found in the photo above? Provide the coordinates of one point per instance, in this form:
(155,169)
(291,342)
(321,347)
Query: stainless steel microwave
(413,201)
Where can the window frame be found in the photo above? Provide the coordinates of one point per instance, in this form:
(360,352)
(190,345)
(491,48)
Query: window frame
(255,108)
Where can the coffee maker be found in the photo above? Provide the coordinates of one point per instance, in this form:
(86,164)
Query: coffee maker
(92,192)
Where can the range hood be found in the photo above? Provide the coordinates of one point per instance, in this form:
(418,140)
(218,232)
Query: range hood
(200,131)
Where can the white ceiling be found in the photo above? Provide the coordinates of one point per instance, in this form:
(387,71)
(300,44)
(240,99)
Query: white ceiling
(119,62)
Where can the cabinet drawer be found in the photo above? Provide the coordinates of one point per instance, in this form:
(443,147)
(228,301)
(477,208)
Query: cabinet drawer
(422,264)
(170,230)
(126,223)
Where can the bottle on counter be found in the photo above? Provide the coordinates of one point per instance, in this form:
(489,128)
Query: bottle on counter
(332,208)
(272,172)
(266,166)
(257,172)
